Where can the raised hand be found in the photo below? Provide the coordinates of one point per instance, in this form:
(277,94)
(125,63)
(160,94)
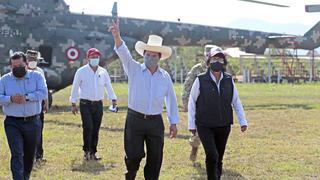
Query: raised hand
(115,31)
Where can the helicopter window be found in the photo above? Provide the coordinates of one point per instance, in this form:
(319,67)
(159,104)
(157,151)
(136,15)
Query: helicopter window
(46,53)
(56,1)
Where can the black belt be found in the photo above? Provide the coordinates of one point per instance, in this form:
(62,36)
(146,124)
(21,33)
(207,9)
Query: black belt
(143,116)
(85,101)
(28,118)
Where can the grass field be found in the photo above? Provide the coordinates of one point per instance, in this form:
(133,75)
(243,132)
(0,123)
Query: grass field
(282,141)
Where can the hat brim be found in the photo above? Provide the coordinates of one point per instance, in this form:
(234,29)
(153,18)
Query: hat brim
(94,53)
(221,54)
(164,50)
(35,58)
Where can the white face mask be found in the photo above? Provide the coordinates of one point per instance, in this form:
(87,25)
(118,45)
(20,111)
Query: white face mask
(32,64)
(94,61)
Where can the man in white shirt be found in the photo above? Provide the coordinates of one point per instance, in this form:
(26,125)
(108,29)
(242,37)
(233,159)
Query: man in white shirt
(212,97)
(32,62)
(149,87)
(92,81)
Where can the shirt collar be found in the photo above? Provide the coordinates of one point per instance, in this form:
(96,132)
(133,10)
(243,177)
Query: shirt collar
(214,78)
(27,76)
(144,68)
(89,68)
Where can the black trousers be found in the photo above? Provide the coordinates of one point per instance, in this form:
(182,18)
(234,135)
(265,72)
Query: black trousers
(22,138)
(214,141)
(39,151)
(91,116)
(140,130)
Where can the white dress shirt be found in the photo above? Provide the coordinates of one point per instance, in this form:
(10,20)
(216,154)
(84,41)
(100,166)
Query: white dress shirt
(91,85)
(194,94)
(147,92)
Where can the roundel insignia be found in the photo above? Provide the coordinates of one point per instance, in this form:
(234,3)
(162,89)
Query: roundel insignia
(72,54)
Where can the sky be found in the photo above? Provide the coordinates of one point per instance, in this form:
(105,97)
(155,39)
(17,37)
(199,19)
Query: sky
(207,12)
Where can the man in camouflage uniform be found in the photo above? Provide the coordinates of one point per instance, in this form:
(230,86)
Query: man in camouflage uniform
(197,69)
(191,76)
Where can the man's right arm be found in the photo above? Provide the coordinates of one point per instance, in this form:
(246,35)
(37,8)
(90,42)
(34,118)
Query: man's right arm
(4,99)
(75,88)
(129,64)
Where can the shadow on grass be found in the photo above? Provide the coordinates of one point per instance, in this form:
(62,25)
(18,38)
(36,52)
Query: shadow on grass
(227,174)
(56,108)
(112,129)
(92,167)
(279,106)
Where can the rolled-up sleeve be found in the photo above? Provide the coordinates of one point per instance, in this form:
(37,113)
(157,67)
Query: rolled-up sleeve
(237,106)
(172,105)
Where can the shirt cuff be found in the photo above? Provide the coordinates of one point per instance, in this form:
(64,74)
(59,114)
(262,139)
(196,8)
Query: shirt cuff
(73,100)
(174,120)
(30,96)
(243,123)
(7,99)
(191,125)
(113,97)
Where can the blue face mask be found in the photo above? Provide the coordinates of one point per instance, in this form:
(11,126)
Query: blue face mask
(94,61)
(150,61)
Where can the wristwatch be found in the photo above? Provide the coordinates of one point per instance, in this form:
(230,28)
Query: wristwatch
(27,98)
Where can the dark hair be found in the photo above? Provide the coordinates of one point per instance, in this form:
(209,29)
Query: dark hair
(18,55)
(158,53)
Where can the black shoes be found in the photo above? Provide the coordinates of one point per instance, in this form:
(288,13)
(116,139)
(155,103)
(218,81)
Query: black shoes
(94,157)
(86,156)
(91,156)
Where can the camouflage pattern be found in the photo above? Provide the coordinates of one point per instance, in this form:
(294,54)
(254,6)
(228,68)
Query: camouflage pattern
(35,24)
(191,77)
(194,142)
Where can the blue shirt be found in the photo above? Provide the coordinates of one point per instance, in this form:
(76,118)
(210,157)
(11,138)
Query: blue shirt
(148,92)
(32,84)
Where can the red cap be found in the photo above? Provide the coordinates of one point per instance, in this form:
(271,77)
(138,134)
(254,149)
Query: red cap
(92,51)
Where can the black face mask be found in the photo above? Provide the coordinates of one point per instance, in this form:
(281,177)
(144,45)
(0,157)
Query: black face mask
(216,66)
(19,72)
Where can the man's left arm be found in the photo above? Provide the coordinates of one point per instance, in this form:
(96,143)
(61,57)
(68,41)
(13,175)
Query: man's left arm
(46,101)
(172,110)
(237,105)
(41,92)
(110,92)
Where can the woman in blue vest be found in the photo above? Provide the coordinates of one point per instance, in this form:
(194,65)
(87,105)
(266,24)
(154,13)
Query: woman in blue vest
(212,99)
